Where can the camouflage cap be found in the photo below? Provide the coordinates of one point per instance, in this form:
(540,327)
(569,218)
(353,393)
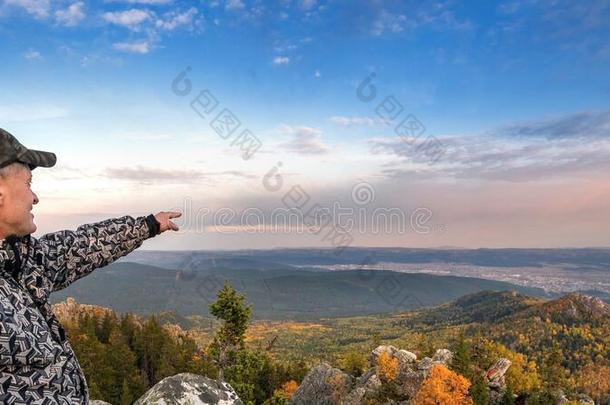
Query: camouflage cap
(12,151)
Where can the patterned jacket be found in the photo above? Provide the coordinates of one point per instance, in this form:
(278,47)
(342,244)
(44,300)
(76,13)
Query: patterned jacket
(37,363)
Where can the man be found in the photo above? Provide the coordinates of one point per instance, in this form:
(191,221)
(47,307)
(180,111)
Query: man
(37,363)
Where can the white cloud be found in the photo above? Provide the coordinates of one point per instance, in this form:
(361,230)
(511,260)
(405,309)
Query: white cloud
(317,74)
(386,21)
(234,5)
(173,20)
(573,146)
(151,2)
(37,8)
(436,15)
(129,18)
(356,121)
(307,4)
(133,47)
(306,141)
(151,175)
(281,60)
(32,55)
(72,15)
(284,48)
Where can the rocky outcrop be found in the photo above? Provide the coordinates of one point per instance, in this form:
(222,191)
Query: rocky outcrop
(323,385)
(327,385)
(69,311)
(187,389)
(584,400)
(580,399)
(495,378)
(572,308)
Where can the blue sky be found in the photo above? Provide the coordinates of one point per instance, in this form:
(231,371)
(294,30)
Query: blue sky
(515,92)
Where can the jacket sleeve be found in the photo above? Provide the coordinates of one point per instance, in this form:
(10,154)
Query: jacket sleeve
(70,255)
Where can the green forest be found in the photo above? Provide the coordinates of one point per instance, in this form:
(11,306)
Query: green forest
(562,344)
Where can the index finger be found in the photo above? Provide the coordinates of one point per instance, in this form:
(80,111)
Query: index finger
(174,214)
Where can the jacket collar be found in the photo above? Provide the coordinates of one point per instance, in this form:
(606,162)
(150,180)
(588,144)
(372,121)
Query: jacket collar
(12,253)
(6,252)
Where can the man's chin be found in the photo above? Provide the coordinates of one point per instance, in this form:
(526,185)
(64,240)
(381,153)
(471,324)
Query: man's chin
(31,228)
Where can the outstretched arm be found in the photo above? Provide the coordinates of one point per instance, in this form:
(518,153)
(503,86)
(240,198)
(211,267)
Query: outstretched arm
(70,255)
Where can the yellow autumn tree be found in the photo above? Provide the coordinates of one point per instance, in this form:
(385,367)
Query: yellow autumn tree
(387,367)
(286,390)
(594,380)
(445,387)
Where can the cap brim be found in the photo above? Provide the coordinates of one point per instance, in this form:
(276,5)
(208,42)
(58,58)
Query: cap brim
(36,158)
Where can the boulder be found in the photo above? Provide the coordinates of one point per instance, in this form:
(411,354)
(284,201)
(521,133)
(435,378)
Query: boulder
(374,357)
(188,388)
(411,381)
(406,359)
(425,364)
(369,381)
(584,400)
(562,398)
(324,385)
(442,356)
(581,399)
(495,374)
(496,380)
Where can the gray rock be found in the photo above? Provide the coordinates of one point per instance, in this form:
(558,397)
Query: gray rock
(355,397)
(411,381)
(345,390)
(189,389)
(561,398)
(390,350)
(425,364)
(584,400)
(495,374)
(442,356)
(406,360)
(324,385)
(99,402)
(370,382)
(496,381)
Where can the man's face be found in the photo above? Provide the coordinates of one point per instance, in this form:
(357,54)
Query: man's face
(16,202)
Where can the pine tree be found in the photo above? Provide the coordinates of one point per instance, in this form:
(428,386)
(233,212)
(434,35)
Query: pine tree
(462,358)
(479,391)
(106,326)
(508,398)
(126,395)
(128,329)
(149,342)
(123,363)
(229,307)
